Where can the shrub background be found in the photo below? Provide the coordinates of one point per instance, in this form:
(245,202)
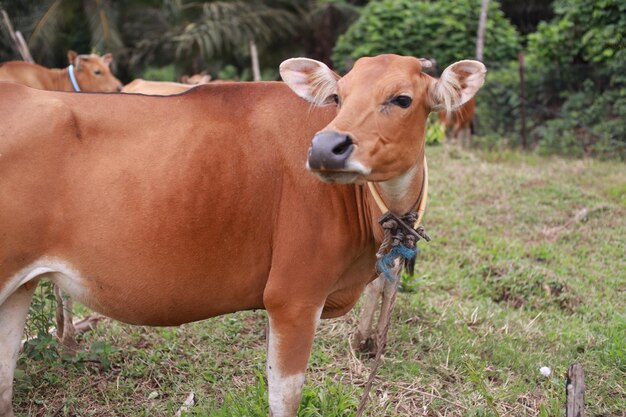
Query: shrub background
(445,31)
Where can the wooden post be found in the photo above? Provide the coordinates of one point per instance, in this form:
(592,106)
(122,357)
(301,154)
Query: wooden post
(480,43)
(480,34)
(254,55)
(18,39)
(575,391)
(522,100)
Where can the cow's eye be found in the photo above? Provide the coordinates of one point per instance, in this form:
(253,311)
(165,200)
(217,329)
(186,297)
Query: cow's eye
(402,101)
(335,98)
(97,72)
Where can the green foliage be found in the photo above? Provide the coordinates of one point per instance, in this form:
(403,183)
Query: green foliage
(435,132)
(497,104)
(166,73)
(40,343)
(100,352)
(331,400)
(43,347)
(252,404)
(580,61)
(584,31)
(194,35)
(591,123)
(444,30)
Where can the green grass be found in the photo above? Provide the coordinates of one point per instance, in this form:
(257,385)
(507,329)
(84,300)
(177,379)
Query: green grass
(503,289)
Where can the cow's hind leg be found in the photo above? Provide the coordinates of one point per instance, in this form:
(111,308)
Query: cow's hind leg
(291,333)
(13,312)
(66,332)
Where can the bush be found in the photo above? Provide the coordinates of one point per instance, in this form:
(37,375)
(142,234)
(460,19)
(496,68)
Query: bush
(167,73)
(497,105)
(435,131)
(591,123)
(580,61)
(444,30)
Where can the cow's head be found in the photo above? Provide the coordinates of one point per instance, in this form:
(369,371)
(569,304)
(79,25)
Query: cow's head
(382,106)
(93,72)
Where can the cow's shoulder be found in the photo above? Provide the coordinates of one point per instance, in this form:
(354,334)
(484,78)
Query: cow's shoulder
(28,114)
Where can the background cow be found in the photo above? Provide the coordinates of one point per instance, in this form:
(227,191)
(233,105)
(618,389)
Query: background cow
(85,73)
(458,123)
(158,88)
(165,88)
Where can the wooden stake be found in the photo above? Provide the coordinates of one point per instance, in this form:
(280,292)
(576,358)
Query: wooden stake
(480,34)
(254,55)
(575,391)
(522,99)
(389,300)
(18,39)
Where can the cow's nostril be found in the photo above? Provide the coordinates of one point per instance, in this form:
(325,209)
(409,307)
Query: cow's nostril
(343,146)
(330,150)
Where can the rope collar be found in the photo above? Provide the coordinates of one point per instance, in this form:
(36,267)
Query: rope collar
(420,205)
(401,233)
(70,72)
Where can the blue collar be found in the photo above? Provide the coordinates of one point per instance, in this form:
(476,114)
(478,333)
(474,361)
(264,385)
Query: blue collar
(70,72)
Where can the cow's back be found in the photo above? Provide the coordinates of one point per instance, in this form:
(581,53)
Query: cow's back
(25,73)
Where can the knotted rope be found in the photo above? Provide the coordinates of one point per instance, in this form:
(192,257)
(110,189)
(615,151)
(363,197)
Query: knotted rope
(399,241)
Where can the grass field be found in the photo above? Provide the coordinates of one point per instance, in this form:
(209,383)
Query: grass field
(512,281)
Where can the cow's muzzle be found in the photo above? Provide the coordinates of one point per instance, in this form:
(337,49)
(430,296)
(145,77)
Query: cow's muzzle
(330,151)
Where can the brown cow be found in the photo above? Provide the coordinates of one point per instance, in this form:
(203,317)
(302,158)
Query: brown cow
(85,73)
(458,123)
(166,88)
(165,210)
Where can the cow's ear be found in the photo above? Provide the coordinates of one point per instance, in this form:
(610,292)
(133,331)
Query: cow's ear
(458,83)
(72,58)
(107,58)
(312,80)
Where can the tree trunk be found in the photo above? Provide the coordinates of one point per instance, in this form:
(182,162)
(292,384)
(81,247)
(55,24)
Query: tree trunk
(522,99)
(480,35)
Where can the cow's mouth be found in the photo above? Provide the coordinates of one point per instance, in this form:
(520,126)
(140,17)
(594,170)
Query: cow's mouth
(353,172)
(339,177)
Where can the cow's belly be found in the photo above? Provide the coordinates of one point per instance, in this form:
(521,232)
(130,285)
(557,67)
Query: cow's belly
(350,285)
(141,294)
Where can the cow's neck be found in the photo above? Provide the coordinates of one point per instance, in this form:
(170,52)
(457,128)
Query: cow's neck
(60,79)
(401,194)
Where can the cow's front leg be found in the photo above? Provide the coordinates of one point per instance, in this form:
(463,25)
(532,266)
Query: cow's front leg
(291,332)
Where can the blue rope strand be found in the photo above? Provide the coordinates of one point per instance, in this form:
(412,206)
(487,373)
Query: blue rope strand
(385,264)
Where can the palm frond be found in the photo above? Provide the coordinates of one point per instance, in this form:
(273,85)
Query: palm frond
(105,36)
(228,26)
(45,24)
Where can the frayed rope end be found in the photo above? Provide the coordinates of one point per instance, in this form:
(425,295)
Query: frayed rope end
(386,263)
